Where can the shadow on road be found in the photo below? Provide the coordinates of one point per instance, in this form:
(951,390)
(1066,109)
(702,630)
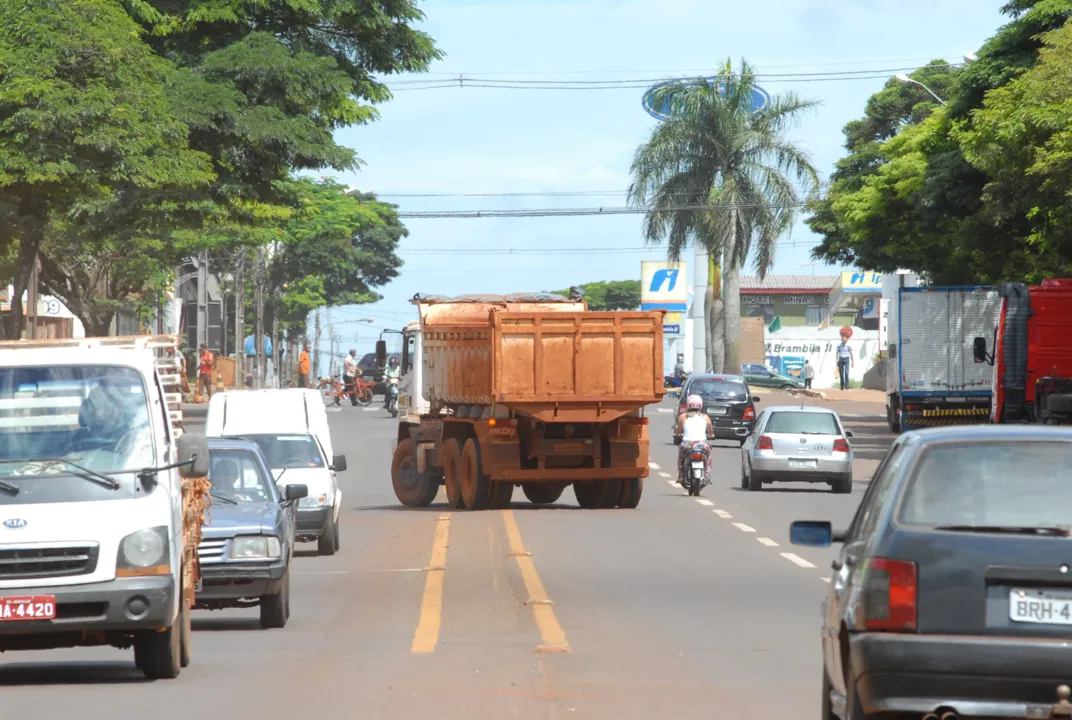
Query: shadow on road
(230,624)
(776,489)
(77,673)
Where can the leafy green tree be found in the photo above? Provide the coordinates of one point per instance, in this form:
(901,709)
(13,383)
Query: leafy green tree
(334,251)
(611,295)
(83,115)
(723,175)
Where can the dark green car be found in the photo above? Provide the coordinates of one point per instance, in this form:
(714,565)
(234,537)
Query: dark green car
(762,376)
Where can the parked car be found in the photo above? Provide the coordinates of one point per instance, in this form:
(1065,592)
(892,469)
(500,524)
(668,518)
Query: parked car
(291,426)
(727,400)
(797,443)
(951,594)
(247,545)
(762,376)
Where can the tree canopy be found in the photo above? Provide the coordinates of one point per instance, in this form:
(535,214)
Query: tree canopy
(610,295)
(961,192)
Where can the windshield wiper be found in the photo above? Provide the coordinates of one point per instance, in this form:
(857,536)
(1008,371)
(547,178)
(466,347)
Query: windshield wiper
(9,487)
(227,500)
(1007,529)
(83,472)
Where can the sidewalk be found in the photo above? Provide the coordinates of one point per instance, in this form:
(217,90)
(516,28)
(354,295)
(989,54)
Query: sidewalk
(858,395)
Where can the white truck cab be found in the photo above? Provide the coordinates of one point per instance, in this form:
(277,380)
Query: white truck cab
(93,524)
(291,427)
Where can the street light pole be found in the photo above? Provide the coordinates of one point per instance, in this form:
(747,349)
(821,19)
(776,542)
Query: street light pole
(905,79)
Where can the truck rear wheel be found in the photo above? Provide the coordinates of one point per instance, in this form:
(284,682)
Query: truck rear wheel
(614,491)
(632,489)
(476,487)
(502,493)
(413,489)
(451,458)
(591,494)
(540,493)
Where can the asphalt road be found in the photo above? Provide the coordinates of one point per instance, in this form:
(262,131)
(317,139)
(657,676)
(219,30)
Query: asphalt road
(682,608)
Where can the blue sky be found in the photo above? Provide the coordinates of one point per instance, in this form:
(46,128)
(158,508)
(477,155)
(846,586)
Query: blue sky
(474,140)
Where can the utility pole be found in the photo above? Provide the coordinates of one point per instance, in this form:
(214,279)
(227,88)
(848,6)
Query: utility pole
(331,357)
(258,337)
(240,319)
(31,300)
(316,346)
(277,369)
(202,299)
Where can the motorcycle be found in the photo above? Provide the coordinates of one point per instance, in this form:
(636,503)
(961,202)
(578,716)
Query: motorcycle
(392,397)
(697,477)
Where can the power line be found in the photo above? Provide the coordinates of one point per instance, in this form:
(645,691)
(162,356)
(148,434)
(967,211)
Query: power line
(536,193)
(574,212)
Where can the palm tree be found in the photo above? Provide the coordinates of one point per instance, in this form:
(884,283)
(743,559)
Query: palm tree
(724,175)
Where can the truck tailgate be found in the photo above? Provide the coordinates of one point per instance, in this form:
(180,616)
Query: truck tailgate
(937,328)
(591,364)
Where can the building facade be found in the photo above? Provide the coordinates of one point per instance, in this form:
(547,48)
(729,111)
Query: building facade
(793,300)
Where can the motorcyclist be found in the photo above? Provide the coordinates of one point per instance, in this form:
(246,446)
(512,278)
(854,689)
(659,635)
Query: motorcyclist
(694,426)
(349,371)
(392,371)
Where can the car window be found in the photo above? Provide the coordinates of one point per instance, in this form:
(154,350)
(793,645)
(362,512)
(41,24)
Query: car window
(994,483)
(289,451)
(802,423)
(718,388)
(236,475)
(878,492)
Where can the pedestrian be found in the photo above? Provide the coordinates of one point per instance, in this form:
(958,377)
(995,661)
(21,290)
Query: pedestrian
(349,371)
(809,374)
(304,366)
(844,362)
(206,364)
(177,356)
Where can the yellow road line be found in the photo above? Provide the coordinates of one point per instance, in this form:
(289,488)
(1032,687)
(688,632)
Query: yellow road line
(427,635)
(554,637)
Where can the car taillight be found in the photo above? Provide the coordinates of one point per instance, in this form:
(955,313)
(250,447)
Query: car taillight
(889,596)
(764,443)
(749,413)
(841,445)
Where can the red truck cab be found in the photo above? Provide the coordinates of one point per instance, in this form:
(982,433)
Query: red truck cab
(1032,354)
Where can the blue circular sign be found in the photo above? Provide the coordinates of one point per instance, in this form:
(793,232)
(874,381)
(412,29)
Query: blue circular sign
(760,98)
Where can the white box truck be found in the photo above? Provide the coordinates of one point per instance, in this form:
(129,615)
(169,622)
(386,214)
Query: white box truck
(932,376)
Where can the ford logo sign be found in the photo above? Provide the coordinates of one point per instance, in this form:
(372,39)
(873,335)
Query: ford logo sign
(14,523)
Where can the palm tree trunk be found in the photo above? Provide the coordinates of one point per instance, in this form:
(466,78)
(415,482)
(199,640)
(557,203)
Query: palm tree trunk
(715,316)
(732,309)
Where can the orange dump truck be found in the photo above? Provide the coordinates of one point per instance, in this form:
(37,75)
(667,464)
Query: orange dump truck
(529,390)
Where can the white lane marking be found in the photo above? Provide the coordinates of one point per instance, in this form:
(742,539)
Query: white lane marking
(704,501)
(797,560)
(666,410)
(825,580)
(665,474)
(333,409)
(744,528)
(653,466)
(370,409)
(768,542)
(722,514)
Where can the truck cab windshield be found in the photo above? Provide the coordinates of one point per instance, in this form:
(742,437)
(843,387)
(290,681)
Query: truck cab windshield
(62,424)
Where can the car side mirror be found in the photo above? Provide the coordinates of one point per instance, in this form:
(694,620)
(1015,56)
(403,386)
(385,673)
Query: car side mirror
(381,354)
(979,350)
(193,455)
(848,434)
(295,492)
(812,533)
(338,463)
(755,398)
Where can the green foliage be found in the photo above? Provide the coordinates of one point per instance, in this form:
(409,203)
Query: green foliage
(611,295)
(952,191)
(334,251)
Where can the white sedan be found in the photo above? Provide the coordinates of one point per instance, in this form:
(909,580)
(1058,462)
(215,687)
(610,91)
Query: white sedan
(797,443)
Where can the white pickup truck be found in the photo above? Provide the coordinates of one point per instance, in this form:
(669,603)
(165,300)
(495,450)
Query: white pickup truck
(101,499)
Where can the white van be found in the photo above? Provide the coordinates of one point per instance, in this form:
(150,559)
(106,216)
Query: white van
(291,426)
(92,521)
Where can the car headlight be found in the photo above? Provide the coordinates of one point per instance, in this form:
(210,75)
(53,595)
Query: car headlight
(255,547)
(145,552)
(312,501)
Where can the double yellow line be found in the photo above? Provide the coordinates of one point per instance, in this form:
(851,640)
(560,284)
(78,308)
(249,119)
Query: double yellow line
(427,635)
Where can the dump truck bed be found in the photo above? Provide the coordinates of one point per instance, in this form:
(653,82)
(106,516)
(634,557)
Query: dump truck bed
(555,362)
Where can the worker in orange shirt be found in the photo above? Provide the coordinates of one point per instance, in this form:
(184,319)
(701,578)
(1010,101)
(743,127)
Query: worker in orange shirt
(207,362)
(304,366)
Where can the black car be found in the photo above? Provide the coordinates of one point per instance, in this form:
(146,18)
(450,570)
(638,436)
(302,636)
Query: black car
(727,401)
(952,594)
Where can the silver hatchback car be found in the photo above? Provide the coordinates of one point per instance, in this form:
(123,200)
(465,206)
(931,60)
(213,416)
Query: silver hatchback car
(794,443)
